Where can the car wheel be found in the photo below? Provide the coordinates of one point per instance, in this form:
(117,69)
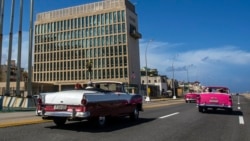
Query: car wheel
(59,121)
(134,115)
(38,113)
(202,110)
(229,110)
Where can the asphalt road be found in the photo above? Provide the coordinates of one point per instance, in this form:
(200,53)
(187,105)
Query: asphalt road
(159,122)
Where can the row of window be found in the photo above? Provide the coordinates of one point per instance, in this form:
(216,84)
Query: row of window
(81,75)
(81,33)
(80,64)
(88,21)
(81,53)
(83,43)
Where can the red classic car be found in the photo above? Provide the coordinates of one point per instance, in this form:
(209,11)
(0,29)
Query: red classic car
(215,97)
(96,102)
(191,97)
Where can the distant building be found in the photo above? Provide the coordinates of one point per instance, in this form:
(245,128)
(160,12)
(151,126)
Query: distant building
(156,83)
(13,77)
(104,34)
(13,72)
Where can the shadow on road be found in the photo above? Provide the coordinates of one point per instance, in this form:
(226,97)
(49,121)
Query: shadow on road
(225,112)
(111,125)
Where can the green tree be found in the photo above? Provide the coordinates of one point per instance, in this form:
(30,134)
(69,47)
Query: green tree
(89,67)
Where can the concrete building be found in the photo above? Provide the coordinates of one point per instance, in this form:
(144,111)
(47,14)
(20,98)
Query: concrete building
(13,77)
(156,83)
(102,34)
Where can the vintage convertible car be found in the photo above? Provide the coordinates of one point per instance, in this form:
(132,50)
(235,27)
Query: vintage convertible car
(191,97)
(96,102)
(215,97)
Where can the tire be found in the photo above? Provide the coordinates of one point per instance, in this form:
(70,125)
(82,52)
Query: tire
(229,110)
(134,115)
(59,121)
(200,109)
(38,113)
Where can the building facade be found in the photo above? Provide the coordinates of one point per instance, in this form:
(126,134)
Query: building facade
(157,84)
(103,34)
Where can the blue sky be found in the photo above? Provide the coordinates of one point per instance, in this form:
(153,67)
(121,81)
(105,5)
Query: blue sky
(205,40)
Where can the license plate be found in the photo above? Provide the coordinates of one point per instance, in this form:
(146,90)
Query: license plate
(60,107)
(213,101)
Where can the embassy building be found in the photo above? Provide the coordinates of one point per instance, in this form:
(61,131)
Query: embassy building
(103,34)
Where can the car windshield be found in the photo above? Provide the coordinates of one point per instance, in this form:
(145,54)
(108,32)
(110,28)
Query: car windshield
(114,87)
(217,89)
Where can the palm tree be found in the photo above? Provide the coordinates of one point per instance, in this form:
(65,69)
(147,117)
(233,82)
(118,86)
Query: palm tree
(89,67)
(25,76)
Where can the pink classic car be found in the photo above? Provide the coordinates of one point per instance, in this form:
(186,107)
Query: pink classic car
(96,102)
(191,97)
(214,98)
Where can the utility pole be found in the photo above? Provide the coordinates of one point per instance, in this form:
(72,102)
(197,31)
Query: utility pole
(30,49)
(19,49)
(7,93)
(174,95)
(1,28)
(146,70)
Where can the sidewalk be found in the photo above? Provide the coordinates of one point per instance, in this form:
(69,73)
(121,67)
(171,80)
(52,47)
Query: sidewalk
(17,118)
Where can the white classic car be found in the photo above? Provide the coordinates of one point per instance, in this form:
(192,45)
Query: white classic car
(104,99)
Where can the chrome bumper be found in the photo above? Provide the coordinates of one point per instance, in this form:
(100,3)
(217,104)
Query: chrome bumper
(67,114)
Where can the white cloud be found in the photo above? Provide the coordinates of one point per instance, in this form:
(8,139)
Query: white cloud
(221,65)
(24,52)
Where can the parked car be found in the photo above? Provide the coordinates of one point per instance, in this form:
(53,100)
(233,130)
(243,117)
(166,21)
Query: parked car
(215,97)
(191,97)
(96,102)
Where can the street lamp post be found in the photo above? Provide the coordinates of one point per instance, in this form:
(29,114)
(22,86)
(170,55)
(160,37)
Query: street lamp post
(146,69)
(187,67)
(174,96)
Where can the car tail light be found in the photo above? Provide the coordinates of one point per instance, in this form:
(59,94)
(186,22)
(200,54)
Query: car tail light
(39,101)
(84,101)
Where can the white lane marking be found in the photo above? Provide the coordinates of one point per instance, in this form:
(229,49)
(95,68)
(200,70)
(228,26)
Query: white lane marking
(169,115)
(241,120)
(238,108)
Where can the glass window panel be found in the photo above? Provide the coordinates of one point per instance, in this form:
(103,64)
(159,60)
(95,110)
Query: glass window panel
(90,20)
(102,19)
(94,20)
(124,38)
(124,50)
(107,51)
(99,19)
(103,30)
(118,16)
(82,21)
(98,31)
(123,27)
(123,16)
(106,30)
(112,73)
(115,28)
(106,18)
(110,29)
(107,40)
(114,17)
(87,32)
(86,21)
(111,40)
(110,18)
(94,31)
(119,28)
